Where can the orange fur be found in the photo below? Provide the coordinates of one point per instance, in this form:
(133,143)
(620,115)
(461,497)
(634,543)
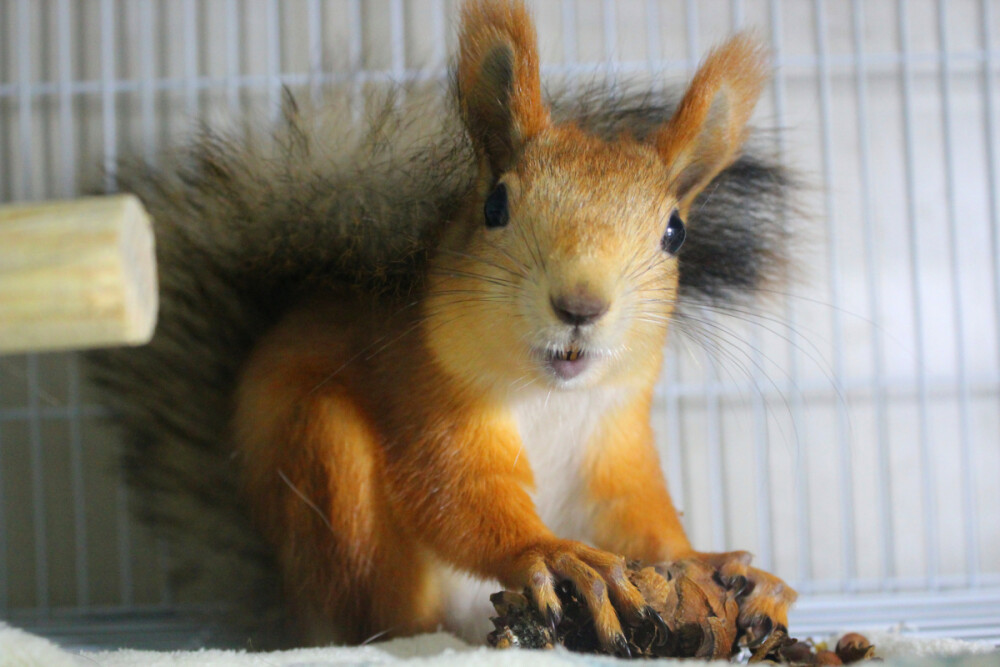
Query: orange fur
(706,132)
(498,41)
(371,463)
(633,513)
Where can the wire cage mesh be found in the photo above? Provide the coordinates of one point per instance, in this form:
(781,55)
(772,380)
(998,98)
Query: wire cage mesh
(848,434)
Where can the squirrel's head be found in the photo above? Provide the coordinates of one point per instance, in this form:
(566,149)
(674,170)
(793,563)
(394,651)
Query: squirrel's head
(563,268)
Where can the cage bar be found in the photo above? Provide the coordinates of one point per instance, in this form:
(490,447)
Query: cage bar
(569,32)
(146,96)
(970,513)
(885,530)
(992,151)
(274,59)
(315,37)
(233,46)
(355,57)
(190,22)
(930,499)
(846,489)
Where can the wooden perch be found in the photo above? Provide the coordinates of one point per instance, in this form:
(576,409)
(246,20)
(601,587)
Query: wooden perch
(76,274)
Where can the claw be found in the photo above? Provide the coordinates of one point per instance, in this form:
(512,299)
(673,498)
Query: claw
(553,617)
(758,631)
(662,629)
(621,646)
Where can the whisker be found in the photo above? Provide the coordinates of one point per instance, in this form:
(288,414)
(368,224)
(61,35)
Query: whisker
(306,500)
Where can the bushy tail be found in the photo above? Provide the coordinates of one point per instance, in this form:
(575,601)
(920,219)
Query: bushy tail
(244,224)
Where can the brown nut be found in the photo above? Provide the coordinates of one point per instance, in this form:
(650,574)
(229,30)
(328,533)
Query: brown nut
(853,647)
(827,658)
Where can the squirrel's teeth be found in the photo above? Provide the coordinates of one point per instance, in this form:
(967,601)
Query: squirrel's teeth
(572,354)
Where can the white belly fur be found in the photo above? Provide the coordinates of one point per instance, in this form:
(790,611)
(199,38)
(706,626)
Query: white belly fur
(555,430)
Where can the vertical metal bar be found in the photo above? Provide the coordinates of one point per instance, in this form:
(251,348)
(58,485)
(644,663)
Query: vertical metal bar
(439,54)
(67,135)
(610,26)
(992,152)
(802,518)
(691,27)
(124,544)
(314,22)
(76,483)
(653,47)
(191,56)
(146,109)
(397,37)
(355,57)
(274,59)
(885,531)
(570,49)
(233,54)
(37,486)
(923,439)
(109,111)
(833,262)
(969,510)
(24,100)
(737,13)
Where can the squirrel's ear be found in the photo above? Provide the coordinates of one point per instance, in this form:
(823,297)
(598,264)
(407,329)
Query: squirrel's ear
(706,132)
(498,83)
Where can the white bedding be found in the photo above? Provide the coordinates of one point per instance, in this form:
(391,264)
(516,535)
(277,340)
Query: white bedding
(22,649)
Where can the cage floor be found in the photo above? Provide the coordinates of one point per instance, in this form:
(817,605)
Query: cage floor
(969,615)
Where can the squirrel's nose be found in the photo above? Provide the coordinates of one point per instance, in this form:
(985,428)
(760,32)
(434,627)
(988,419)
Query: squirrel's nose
(578,308)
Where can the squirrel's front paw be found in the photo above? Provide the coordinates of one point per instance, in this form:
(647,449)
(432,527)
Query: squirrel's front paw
(599,577)
(763,598)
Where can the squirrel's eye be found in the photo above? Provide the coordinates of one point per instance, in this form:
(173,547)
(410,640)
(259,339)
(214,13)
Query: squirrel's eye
(673,238)
(495,208)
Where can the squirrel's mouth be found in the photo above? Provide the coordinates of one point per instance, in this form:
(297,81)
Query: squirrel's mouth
(568,362)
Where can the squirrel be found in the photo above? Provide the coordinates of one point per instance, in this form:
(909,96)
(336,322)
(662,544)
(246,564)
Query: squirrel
(396,369)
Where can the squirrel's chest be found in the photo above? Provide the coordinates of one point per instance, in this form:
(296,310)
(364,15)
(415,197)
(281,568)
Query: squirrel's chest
(557,428)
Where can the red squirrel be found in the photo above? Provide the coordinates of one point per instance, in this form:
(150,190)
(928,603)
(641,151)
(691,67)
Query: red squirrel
(412,379)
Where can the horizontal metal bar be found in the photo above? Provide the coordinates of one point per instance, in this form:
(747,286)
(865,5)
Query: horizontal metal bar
(973,59)
(853,388)
(946,583)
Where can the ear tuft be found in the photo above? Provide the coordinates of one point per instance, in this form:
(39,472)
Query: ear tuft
(705,134)
(498,81)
